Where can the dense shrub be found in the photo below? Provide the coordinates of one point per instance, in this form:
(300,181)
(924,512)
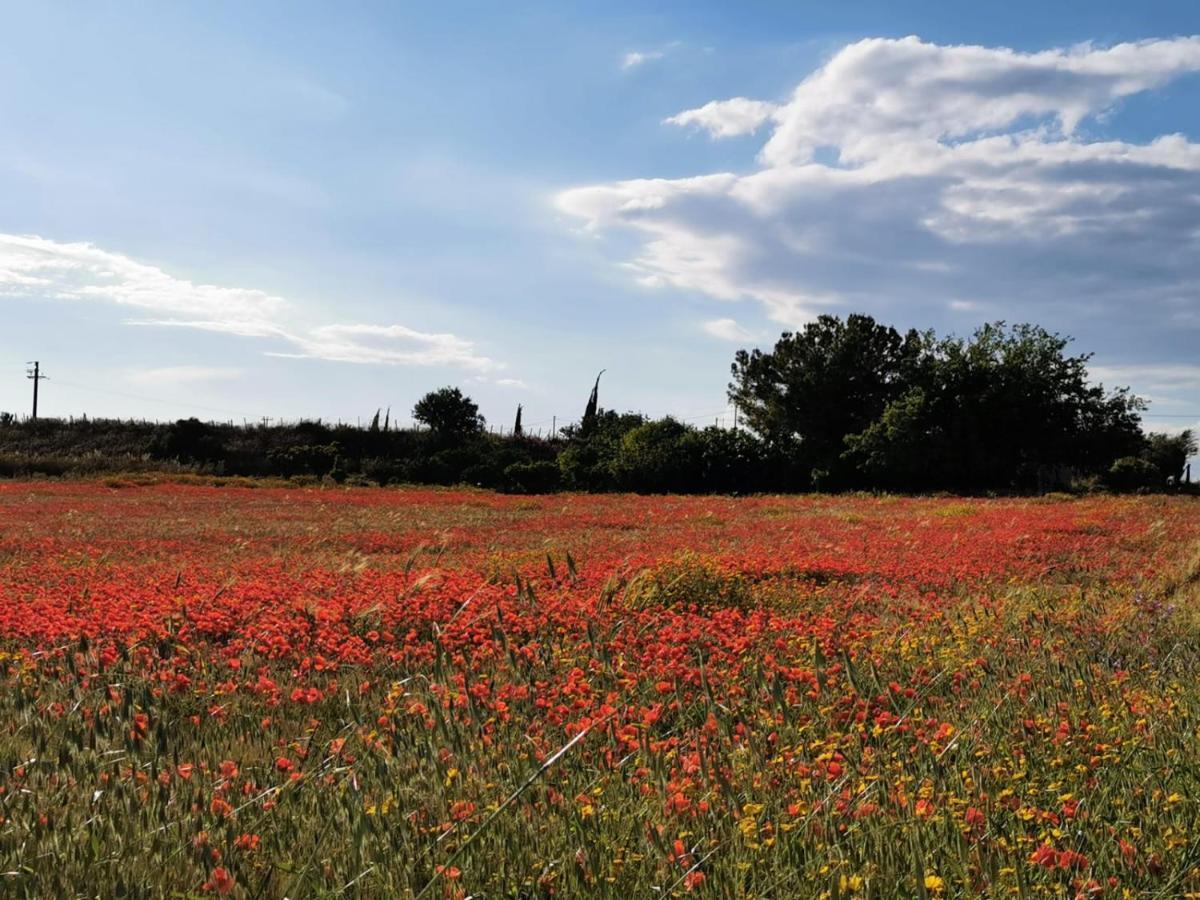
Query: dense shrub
(1131,473)
(540,477)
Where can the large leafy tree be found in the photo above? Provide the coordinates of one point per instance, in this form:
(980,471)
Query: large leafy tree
(449,413)
(1007,408)
(831,378)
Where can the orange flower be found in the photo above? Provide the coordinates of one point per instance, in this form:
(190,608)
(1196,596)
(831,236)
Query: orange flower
(222,881)
(462,809)
(1069,859)
(247,842)
(1045,856)
(1128,852)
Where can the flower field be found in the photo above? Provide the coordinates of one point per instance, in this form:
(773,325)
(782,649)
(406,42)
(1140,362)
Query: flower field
(269,692)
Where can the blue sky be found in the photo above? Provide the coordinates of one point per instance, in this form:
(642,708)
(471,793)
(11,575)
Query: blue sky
(287,209)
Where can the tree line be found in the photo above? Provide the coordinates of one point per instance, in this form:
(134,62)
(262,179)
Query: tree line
(840,404)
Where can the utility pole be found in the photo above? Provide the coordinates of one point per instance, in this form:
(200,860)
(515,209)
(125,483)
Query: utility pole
(35,375)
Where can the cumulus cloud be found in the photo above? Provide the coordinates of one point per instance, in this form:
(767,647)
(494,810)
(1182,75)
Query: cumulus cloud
(36,267)
(905,174)
(726,118)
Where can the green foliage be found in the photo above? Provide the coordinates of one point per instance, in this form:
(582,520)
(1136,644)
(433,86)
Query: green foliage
(189,440)
(304,459)
(587,460)
(653,457)
(587,425)
(840,404)
(690,580)
(449,413)
(539,477)
(830,379)
(895,449)
(1169,454)
(1131,473)
(1006,409)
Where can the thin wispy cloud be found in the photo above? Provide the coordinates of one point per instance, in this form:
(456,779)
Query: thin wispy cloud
(1180,377)
(38,268)
(183,375)
(923,174)
(634,58)
(730,330)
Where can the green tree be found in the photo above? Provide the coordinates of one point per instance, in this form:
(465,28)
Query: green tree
(1007,408)
(1169,453)
(587,424)
(827,380)
(899,450)
(587,460)
(449,413)
(654,458)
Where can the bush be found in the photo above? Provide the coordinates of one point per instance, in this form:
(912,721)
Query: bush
(653,458)
(541,477)
(190,440)
(1131,473)
(690,580)
(306,459)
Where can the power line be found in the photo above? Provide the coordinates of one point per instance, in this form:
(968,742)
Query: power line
(144,398)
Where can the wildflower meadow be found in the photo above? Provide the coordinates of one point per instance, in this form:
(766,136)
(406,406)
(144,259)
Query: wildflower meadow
(314,692)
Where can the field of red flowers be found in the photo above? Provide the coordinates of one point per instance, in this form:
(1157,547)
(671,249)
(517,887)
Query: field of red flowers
(269,692)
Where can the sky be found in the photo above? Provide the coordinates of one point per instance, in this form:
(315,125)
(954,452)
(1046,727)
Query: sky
(287,210)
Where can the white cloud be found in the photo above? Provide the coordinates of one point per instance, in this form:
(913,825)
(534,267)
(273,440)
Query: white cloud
(39,268)
(959,305)
(1172,377)
(726,118)
(879,91)
(634,58)
(730,330)
(904,174)
(36,266)
(176,375)
(391,344)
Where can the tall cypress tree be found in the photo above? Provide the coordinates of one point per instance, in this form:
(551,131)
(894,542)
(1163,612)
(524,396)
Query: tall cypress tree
(590,411)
